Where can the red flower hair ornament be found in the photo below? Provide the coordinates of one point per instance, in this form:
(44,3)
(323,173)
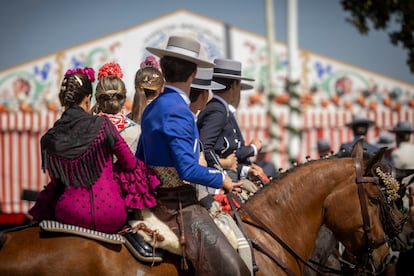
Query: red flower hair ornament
(110,69)
(87,71)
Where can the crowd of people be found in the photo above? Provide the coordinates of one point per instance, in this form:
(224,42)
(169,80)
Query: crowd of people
(105,165)
(176,152)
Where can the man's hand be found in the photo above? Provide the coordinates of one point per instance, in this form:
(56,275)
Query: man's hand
(256,171)
(257,143)
(230,162)
(230,186)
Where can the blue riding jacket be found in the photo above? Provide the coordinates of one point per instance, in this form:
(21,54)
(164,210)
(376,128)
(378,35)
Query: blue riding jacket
(169,138)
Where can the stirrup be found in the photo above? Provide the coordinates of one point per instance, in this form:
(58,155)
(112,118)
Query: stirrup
(141,250)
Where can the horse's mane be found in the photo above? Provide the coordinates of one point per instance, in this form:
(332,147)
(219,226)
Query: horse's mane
(283,174)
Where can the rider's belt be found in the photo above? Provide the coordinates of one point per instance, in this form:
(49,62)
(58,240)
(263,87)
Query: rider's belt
(168,176)
(173,190)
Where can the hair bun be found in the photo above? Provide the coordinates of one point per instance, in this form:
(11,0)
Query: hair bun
(110,69)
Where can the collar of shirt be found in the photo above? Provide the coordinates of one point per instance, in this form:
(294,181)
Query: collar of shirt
(221,100)
(232,109)
(181,92)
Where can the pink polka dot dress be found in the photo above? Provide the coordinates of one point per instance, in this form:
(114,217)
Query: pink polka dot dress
(103,204)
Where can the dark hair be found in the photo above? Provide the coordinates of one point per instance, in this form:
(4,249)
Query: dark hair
(75,87)
(360,129)
(110,95)
(176,69)
(195,93)
(403,136)
(224,81)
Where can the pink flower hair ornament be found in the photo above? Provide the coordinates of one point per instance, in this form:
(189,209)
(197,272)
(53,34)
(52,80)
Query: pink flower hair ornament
(110,69)
(150,61)
(87,71)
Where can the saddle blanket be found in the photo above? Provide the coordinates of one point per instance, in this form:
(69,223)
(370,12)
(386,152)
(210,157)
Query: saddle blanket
(55,226)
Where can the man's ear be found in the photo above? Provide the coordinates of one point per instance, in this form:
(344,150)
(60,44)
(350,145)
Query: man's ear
(234,84)
(205,95)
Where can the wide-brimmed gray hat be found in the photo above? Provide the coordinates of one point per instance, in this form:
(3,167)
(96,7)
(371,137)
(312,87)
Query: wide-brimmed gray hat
(385,139)
(182,47)
(203,80)
(403,127)
(359,119)
(230,69)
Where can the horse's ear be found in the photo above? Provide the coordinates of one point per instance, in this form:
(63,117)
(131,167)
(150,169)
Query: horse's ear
(358,149)
(376,158)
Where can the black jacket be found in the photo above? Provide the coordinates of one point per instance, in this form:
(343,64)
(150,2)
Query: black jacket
(220,133)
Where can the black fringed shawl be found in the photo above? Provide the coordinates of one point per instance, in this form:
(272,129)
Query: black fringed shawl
(78,146)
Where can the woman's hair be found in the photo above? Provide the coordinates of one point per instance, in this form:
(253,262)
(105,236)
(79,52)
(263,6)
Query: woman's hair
(110,95)
(148,84)
(110,91)
(75,87)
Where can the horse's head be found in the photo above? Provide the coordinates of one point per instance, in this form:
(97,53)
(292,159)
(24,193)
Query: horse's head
(358,221)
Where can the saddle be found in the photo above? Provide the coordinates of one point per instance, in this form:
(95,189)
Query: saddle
(136,248)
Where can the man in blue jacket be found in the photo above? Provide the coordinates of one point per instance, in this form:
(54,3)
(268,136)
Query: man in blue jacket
(169,145)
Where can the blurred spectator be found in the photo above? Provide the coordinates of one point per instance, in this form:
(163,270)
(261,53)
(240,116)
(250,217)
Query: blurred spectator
(386,140)
(402,156)
(359,125)
(324,148)
(264,160)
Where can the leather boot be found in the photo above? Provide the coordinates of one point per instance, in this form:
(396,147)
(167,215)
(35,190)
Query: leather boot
(141,249)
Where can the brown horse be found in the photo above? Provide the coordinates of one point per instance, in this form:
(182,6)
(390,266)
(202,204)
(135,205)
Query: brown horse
(289,210)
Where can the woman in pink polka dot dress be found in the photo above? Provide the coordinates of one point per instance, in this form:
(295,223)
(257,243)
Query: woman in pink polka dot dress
(86,189)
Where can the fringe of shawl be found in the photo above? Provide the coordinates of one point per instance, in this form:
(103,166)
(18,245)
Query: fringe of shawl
(83,170)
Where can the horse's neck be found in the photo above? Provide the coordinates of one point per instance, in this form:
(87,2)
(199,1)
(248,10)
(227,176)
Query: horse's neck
(293,205)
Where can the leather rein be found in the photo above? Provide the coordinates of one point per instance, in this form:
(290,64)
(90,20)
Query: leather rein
(372,244)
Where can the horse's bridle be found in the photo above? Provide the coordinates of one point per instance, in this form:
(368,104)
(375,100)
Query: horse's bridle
(372,244)
(360,180)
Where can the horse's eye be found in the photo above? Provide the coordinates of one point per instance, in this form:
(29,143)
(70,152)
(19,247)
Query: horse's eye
(373,200)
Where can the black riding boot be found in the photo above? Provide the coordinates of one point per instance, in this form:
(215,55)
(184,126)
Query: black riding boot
(141,249)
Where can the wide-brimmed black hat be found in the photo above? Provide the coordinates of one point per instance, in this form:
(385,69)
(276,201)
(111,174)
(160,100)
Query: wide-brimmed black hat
(403,127)
(231,69)
(359,119)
